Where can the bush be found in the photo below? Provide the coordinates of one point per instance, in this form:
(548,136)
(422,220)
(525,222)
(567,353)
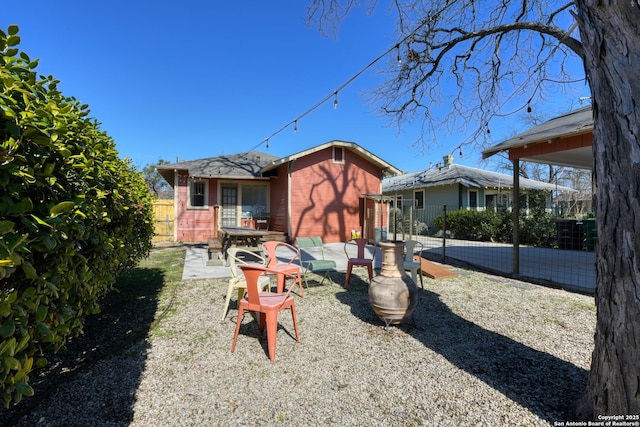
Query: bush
(538,229)
(472,225)
(73,216)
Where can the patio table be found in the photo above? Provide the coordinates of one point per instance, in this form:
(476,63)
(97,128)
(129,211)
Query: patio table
(247,238)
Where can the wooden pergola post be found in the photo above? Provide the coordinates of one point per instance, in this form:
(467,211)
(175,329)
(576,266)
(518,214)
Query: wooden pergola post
(516,216)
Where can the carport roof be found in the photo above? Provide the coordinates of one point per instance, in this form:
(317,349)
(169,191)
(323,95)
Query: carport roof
(576,125)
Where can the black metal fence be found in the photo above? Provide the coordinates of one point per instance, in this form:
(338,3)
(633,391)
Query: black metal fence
(556,252)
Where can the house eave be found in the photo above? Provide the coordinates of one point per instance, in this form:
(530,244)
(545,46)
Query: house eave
(231,177)
(387,168)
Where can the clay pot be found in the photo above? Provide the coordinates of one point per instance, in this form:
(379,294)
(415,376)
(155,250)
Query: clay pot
(392,293)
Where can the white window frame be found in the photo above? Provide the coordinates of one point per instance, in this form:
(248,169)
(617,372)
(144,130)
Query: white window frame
(503,200)
(341,157)
(398,201)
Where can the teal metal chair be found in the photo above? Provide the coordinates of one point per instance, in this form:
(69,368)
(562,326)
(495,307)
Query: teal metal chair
(312,258)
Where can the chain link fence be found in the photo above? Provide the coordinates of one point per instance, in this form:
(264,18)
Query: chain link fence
(552,251)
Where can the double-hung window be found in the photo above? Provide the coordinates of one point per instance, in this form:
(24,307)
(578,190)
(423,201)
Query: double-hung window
(198,194)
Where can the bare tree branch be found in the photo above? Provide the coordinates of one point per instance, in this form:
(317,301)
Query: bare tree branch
(484,50)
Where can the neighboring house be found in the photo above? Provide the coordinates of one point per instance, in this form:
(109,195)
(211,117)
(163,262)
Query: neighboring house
(323,191)
(458,187)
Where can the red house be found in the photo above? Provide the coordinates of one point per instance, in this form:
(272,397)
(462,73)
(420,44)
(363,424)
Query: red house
(328,191)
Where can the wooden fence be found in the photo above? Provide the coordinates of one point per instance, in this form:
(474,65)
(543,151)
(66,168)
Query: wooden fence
(163,218)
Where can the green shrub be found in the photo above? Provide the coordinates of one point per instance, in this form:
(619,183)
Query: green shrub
(471,225)
(73,216)
(537,229)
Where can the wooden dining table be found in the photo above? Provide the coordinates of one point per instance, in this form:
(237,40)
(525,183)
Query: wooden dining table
(244,237)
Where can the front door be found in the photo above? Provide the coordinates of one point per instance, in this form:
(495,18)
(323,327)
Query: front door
(229,205)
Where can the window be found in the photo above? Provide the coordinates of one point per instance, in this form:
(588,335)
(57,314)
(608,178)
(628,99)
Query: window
(399,202)
(497,201)
(254,197)
(473,199)
(198,194)
(338,154)
(418,197)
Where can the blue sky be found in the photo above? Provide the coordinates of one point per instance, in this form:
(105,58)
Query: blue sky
(195,79)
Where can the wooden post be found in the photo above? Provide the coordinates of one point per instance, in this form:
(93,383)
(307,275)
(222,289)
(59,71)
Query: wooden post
(444,233)
(515,193)
(216,219)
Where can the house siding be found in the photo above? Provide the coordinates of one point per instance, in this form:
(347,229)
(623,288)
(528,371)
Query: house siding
(279,200)
(309,193)
(193,225)
(454,196)
(326,196)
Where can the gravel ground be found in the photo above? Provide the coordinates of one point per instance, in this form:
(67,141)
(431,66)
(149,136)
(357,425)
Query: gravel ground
(479,350)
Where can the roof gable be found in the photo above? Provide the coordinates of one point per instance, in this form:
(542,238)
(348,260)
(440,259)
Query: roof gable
(387,168)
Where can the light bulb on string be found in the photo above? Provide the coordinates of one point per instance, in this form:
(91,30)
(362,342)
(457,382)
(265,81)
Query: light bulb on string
(266,143)
(460,153)
(488,130)
(295,126)
(398,52)
(335,101)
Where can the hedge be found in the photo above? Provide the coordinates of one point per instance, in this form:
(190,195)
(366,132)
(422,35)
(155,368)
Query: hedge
(536,229)
(73,216)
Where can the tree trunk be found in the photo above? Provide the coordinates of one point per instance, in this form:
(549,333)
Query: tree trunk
(610,32)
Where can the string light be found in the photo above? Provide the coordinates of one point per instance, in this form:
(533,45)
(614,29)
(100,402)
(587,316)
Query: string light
(406,39)
(334,94)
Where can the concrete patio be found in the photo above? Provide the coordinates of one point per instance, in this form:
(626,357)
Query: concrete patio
(570,269)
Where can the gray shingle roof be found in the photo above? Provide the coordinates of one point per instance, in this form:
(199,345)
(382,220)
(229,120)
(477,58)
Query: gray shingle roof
(243,165)
(459,174)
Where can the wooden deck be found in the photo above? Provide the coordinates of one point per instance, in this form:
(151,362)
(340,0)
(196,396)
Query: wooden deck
(435,271)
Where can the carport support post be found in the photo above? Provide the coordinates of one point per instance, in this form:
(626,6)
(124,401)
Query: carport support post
(444,233)
(516,216)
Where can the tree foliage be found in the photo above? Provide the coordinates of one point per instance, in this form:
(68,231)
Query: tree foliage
(73,216)
(155,182)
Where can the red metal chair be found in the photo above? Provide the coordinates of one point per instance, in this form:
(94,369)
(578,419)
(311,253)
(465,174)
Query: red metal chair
(288,267)
(361,259)
(266,304)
